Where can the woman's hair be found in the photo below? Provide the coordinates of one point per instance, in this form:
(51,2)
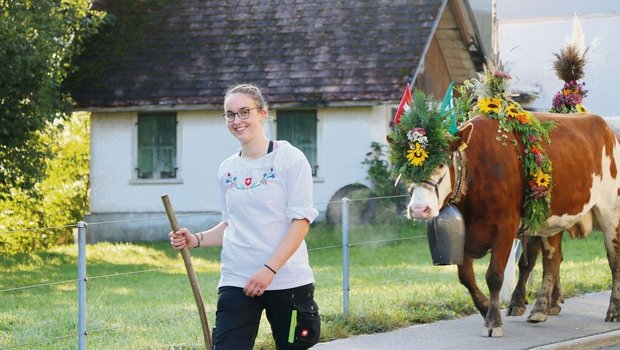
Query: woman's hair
(250,90)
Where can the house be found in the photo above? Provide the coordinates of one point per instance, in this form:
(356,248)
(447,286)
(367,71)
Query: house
(332,71)
(529,32)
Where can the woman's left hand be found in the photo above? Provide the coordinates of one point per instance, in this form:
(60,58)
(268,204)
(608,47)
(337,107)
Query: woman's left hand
(258,283)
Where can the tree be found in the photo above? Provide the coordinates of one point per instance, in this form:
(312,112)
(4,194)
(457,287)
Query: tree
(38,40)
(38,218)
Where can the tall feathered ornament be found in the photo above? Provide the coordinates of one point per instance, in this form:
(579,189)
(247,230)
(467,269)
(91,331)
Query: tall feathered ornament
(569,67)
(571,60)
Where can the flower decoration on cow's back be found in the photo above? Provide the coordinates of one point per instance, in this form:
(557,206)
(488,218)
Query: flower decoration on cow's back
(420,141)
(490,89)
(570,98)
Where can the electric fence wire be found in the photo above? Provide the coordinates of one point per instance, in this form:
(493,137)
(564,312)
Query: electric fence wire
(193,314)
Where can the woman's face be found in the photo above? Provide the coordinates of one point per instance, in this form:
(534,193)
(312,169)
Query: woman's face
(244,130)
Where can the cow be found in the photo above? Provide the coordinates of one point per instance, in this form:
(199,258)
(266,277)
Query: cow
(490,183)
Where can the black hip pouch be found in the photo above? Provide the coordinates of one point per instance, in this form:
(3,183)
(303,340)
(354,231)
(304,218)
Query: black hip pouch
(305,328)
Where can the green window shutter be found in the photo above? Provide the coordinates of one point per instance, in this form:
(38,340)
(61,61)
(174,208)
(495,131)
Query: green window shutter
(157,139)
(299,128)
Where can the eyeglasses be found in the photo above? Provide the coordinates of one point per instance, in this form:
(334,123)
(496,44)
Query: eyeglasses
(243,113)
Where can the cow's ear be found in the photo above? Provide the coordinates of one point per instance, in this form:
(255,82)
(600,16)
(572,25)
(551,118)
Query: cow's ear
(462,137)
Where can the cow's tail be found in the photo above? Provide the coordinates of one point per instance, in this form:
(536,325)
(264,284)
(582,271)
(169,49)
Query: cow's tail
(522,235)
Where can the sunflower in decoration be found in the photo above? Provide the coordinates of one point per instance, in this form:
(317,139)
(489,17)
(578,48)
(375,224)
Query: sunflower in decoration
(513,110)
(581,109)
(417,155)
(489,105)
(542,179)
(420,141)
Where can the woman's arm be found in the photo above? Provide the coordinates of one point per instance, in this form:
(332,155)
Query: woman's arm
(291,242)
(258,283)
(183,238)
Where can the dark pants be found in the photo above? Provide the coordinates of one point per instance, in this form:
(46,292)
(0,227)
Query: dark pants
(238,316)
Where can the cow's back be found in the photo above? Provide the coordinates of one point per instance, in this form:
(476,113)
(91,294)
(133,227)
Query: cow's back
(584,153)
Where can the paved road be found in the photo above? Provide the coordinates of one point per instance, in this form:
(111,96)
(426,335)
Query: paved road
(580,325)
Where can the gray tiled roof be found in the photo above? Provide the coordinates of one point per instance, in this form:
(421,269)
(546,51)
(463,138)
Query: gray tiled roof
(312,52)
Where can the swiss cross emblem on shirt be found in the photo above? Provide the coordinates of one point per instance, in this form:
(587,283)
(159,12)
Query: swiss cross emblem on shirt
(248,181)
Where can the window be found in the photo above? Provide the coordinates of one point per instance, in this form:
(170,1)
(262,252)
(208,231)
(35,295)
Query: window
(299,128)
(157,146)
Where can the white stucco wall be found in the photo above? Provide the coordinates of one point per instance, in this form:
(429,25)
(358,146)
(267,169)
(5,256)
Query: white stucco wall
(202,141)
(344,137)
(530,32)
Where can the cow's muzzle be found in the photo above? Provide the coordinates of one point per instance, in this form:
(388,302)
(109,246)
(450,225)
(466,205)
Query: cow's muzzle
(420,212)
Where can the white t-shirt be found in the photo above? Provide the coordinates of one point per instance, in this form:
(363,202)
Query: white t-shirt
(260,198)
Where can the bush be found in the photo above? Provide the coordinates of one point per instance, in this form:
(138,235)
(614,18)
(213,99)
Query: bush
(39,218)
(384,185)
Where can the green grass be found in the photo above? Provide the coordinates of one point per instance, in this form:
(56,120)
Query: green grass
(139,296)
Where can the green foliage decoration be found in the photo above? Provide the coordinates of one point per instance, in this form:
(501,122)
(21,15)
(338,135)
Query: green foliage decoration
(420,141)
(490,90)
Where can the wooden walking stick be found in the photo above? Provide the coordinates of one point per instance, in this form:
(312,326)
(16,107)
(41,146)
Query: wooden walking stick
(191,274)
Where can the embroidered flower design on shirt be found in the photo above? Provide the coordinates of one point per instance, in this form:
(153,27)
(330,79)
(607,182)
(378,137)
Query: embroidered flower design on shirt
(248,182)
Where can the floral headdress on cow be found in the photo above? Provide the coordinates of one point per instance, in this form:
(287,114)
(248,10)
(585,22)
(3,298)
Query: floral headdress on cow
(490,89)
(420,140)
(569,67)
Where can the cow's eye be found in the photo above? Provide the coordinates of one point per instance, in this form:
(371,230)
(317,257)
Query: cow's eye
(410,189)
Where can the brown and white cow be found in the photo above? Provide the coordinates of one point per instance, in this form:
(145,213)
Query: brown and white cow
(586,194)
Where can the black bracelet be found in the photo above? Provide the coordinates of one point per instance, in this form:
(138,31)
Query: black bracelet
(272,270)
(198,239)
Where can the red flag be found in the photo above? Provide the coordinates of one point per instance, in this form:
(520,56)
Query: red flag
(404,104)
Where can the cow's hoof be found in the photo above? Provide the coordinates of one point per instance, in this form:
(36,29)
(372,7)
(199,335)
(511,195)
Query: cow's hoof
(536,317)
(554,310)
(495,332)
(612,317)
(515,310)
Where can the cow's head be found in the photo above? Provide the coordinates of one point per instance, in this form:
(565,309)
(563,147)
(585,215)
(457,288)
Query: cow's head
(428,196)
(421,152)
(445,184)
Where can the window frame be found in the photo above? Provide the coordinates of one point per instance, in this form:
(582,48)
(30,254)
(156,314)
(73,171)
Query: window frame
(173,142)
(313,159)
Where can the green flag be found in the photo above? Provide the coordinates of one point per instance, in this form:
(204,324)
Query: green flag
(447,109)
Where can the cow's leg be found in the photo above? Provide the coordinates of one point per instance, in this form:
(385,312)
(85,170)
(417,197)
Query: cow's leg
(557,298)
(526,265)
(556,295)
(494,277)
(612,245)
(552,258)
(468,279)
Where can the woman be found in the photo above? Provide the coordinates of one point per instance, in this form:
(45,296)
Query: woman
(266,197)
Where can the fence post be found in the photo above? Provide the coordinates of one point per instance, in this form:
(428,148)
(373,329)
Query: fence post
(345,256)
(82,332)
